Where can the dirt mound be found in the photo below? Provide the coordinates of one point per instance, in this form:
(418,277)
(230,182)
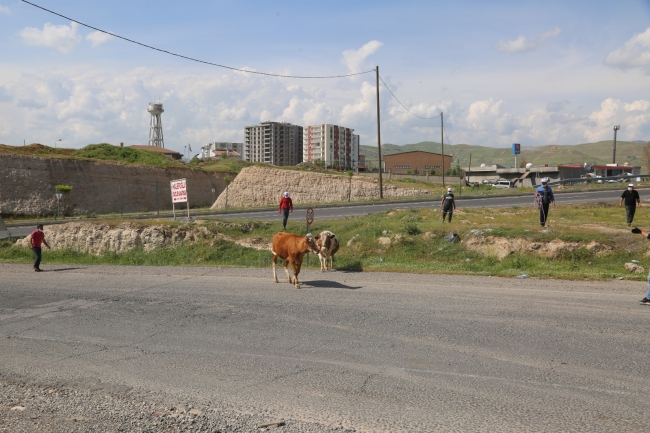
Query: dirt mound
(503,247)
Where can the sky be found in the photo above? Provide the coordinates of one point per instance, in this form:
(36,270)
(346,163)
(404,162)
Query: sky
(530,72)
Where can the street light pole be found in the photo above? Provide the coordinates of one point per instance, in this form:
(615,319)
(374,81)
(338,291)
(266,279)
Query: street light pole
(616,128)
(55,142)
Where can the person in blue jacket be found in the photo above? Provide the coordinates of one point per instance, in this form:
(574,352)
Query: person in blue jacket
(543,198)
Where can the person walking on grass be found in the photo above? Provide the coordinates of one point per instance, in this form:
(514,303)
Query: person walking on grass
(38,238)
(543,199)
(286,206)
(448,205)
(632,199)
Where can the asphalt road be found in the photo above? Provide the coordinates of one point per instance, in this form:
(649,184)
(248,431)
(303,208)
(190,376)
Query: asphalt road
(373,351)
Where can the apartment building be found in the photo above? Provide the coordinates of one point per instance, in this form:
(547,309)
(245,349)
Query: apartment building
(211,150)
(276,143)
(336,146)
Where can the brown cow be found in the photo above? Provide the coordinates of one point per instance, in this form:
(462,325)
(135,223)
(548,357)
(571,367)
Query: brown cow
(291,248)
(328,245)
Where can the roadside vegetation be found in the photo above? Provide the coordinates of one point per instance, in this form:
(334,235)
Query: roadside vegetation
(590,241)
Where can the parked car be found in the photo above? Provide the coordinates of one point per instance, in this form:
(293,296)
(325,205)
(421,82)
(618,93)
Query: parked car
(503,184)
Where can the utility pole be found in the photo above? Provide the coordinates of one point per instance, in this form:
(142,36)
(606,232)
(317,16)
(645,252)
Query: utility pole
(381,187)
(442,144)
(616,128)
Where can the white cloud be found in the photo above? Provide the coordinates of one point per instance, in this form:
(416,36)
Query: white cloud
(635,53)
(63,38)
(521,44)
(98,38)
(354,60)
(4,10)
(634,118)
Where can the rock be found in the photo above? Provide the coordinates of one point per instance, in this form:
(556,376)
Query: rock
(452,237)
(353,240)
(18,408)
(384,241)
(634,268)
(429,235)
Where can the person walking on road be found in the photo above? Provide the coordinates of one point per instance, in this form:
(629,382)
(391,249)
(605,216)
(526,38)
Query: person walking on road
(38,238)
(543,198)
(448,205)
(632,200)
(646,299)
(286,206)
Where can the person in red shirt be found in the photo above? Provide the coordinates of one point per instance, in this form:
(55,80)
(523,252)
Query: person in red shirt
(286,206)
(38,238)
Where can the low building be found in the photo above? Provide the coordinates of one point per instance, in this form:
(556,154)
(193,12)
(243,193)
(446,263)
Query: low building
(615,170)
(235,150)
(416,162)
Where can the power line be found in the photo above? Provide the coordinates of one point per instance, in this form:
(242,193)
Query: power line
(400,103)
(191,58)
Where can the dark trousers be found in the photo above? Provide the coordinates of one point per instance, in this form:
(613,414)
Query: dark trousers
(543,213)
(629,213)
(445,212)
(37,253)
(285,217)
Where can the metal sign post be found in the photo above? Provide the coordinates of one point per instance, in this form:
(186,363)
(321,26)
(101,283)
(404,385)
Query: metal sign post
(58,208)
(179,195)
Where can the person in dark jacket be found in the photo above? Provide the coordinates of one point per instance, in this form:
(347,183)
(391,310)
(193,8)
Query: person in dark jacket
(37,239)
(543,198)
(286,206)
(632,199)
(448,205)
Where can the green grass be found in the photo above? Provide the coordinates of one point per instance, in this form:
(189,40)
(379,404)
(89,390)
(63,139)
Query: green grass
(418,244)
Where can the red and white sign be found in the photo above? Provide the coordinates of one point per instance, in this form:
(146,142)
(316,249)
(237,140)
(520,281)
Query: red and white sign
(179,191)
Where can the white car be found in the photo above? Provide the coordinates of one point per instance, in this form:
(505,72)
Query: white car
(502,184)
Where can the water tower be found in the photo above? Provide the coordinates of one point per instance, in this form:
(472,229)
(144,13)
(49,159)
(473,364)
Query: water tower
(155,131)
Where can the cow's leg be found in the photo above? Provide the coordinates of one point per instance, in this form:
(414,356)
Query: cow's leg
(323,261)
(286,271)
(275,260)
(295,265)
(331,262)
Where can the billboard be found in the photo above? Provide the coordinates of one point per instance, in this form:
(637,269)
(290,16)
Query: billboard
(179,190)
(516,148)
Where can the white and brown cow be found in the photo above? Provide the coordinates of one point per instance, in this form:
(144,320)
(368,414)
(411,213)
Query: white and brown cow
(291,249)
(328,245)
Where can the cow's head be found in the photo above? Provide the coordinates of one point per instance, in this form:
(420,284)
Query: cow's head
(311,243)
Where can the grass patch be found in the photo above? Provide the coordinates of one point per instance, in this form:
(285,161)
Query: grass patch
(416,245)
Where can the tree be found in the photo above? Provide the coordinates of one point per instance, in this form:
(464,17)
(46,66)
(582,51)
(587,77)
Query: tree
(455,171)
(523,163)
(350,174)
(64,190)
(432,172)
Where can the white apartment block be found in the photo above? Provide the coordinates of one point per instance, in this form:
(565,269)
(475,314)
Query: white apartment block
(235,150)
(335,145)
(276,143)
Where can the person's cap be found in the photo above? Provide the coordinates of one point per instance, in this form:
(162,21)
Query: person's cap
(448,189)
(631,185)
(544,180)
(286,194)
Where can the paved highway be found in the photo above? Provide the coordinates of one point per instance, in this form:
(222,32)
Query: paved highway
(370,351)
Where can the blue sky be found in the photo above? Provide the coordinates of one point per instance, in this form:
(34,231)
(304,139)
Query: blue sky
(502,72)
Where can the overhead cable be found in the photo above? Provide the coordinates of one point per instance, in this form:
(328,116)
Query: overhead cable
(400,103)
(191,58)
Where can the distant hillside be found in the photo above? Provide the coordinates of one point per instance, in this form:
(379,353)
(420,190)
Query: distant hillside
(554,154)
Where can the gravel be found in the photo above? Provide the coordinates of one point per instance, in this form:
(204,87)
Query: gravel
(28,407)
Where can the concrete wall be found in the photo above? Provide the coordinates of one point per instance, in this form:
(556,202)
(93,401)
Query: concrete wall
(27,186)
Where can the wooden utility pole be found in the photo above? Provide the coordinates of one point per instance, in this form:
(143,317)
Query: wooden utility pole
(442,144)
(381,187)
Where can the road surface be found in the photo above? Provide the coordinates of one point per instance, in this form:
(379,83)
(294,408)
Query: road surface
(370,351)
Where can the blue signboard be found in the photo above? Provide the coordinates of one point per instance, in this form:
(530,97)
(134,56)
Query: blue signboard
(516,148)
